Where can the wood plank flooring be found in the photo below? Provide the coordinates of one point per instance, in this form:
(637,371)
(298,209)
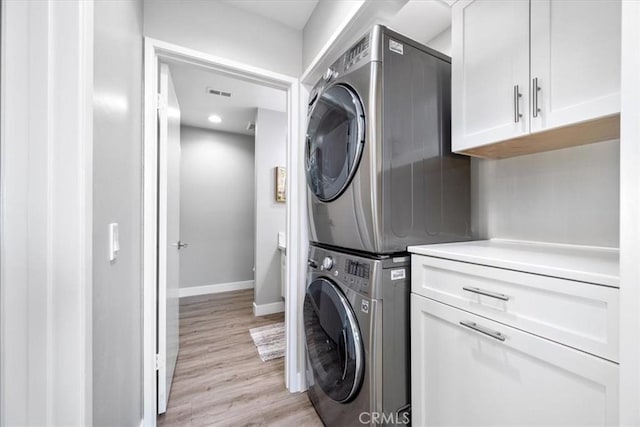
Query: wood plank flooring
(219,378)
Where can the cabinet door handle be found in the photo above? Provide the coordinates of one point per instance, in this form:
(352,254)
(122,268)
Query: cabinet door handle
(536,89)
(479,291)
(473,325)
(516,103)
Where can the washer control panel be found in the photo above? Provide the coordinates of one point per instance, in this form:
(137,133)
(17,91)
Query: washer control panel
(356,274)
(350,270)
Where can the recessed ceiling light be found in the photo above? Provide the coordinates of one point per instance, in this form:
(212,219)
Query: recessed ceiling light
(214,118)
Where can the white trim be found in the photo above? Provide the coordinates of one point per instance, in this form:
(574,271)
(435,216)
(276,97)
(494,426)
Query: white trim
(239,69)
(191,291)
(47,212)
(297,253)
(265,309)
(629,214)
(86,178)
(149,243)
(296,217)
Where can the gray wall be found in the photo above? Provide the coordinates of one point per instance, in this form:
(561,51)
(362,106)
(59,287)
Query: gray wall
(216,207)
(217,28)
(271,151)
(563,196)
(117,288)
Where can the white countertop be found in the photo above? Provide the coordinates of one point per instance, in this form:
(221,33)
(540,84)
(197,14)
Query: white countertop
(582,263)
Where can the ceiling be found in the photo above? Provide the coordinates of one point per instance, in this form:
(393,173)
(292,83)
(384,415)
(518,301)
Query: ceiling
(421,20)
(292,13)
(191,83)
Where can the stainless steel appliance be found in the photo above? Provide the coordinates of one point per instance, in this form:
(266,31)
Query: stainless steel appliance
(379,167)
(357,337)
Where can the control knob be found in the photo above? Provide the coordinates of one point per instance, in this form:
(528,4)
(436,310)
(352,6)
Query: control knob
(327,263)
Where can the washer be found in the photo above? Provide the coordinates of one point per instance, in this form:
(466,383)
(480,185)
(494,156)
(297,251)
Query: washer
(378,159)
(356,325)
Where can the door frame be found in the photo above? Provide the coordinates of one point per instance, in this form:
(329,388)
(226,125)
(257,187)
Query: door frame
(296,228)
(46,223)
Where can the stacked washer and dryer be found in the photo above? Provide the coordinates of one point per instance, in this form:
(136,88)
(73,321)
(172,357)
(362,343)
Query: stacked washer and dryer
(381,177)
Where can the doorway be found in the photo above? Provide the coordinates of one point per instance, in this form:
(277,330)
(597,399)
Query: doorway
(157,53)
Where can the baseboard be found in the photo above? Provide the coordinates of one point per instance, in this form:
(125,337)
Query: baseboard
(191,291)
(264,309)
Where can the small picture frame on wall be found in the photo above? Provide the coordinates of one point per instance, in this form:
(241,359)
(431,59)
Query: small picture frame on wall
(281,184)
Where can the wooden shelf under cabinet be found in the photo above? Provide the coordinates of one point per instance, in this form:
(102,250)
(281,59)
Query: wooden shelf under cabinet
(589,132)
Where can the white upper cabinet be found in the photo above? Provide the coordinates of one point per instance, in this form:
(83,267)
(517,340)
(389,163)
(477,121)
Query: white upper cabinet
(530,76)
(575,61)
(490,72)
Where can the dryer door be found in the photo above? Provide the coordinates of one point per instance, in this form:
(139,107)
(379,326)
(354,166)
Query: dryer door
(335,138)
(334,343)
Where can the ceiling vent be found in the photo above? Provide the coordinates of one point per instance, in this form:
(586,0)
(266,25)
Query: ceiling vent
(251,126)
(212,91)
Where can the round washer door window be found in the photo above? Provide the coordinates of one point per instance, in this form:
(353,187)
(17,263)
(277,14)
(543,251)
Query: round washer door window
(335,138)
(333,339)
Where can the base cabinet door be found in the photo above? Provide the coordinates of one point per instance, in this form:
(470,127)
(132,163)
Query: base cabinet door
(470,371)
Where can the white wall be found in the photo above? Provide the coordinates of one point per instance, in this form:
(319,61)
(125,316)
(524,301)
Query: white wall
(323,22)
(216,207)
(117,288)
(563,196)
(442,42)
(270,151)
(219,29)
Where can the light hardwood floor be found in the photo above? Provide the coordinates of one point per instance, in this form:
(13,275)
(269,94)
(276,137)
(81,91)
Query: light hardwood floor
(220,379)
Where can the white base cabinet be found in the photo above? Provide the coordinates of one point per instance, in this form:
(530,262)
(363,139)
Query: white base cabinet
(509,333)
(489,374)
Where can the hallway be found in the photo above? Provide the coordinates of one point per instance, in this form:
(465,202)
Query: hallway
(220,379)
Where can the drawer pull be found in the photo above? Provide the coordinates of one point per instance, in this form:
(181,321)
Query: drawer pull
(472,325)
(479,291)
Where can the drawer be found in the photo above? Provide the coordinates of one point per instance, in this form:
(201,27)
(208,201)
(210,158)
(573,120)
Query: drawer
(577,314)
(470,371)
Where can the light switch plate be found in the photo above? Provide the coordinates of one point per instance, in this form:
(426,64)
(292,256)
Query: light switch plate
(114,241)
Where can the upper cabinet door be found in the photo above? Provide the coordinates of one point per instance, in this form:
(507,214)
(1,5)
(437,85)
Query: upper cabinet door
(575,61)
(490,72)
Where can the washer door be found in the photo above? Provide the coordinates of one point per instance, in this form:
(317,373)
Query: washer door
(334,343)
(335,138)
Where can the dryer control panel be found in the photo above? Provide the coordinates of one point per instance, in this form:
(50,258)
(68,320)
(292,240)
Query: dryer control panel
(357,53)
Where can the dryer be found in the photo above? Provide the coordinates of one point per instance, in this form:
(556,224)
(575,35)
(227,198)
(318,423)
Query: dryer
(378,161)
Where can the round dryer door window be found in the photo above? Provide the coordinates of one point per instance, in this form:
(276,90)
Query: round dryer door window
(335,137)
(333,339)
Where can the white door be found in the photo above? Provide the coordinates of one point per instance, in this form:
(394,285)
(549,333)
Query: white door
(470,371)
(575,61)
(489,72)
(169,244)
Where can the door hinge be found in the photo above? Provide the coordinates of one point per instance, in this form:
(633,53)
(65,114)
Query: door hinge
(159,362)
(162,103)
